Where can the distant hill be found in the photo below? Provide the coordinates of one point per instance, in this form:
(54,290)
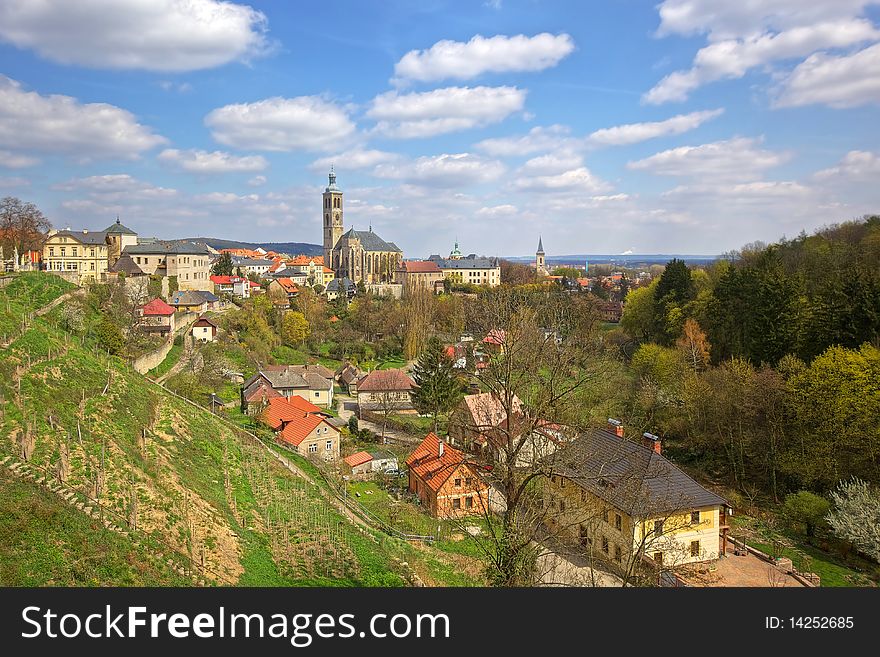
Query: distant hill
(293,248)
(623,259)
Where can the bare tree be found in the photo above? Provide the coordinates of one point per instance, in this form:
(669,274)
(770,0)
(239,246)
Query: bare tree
(22,225)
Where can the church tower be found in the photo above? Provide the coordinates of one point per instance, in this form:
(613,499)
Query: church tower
(539,258)
(332,219)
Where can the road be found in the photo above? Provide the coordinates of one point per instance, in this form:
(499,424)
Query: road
(346,407)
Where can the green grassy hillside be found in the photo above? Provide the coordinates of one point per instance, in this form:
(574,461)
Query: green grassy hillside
(181,482)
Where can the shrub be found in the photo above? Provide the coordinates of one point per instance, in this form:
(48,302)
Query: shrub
(807,509)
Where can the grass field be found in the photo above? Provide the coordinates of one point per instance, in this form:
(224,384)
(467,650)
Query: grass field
(170,361)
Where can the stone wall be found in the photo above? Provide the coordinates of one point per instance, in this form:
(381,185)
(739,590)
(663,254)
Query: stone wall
(143,364)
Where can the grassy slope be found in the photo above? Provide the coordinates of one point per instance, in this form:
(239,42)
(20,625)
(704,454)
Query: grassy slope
(200,487)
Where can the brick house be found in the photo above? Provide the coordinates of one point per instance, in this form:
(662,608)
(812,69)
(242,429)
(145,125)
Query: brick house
(445,483)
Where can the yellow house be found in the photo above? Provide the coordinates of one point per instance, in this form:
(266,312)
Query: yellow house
(624,503)
(81,252)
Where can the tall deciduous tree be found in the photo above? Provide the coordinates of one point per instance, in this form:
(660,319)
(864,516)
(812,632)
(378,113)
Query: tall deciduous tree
(294,327)
(694,345)
(856,515)
(22,225)
(439,389)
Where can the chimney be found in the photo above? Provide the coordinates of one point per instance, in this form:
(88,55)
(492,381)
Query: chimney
(616,426)
(651,441)
(439,448)
(85,231)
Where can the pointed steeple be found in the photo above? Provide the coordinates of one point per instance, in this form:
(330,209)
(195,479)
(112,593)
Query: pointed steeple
(540,246)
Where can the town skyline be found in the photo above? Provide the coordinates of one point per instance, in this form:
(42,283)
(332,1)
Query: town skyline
(637,129)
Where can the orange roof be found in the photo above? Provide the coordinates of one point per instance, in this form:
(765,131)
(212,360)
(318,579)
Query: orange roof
(281,410)
(305,260)
(299,427)
(288,285)
(360,458)
(327,270)
(386,380)
(334,319)
(430,467)
(157,307)
(495,336)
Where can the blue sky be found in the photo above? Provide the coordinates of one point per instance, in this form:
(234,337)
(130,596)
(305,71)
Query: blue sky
(686,126)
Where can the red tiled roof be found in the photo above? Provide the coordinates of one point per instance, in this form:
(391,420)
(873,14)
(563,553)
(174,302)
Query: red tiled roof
(254,284)
(421,267)
(225,280)
(305,260)
(327,270)
(360,458)
(281,409)
(263,392)
(299,427)
(385,380)
(157,307)
(427,464)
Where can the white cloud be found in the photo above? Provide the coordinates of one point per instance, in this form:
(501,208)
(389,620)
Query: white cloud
(551,163)
(257,181)
(855,166)
(738,158)
(307,123)
(197,161)
(153,35)
(637,132)
(62,125)
(444,110)
(179,87)
(844,81)
(354,159)
(538,139)
(742,191)
(754,33)
(446,170)
(16,160)
(580,179)
(493,211)
(499,54)
(118,186)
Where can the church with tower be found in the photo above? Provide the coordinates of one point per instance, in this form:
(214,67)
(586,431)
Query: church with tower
(540,263)
(355,254)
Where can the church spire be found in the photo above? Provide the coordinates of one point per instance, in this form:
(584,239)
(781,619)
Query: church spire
(540,245)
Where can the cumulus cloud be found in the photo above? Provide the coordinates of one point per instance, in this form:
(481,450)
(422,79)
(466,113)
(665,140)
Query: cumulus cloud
(855,166)
(354,159)
(308,123)
(443,110)
(739,158)
(633,133)
(747,35)
(257,181)
(153,35)
(504,210)
(12,160)
(556,162)
(580,179)
(12,182)
(62,125)
(445,170)
(538,139)
(197,161)
(118,186)
(839,82)
(499,54)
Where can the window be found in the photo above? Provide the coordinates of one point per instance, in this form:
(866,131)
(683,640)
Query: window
(695,517)
(93,266)
(605,515)
(618,522)
(695,548)
(51,251)
(618,553)
(63,252)
(605,544)
(458,481)
(658,527)
(456,503)
(469,502)
(468,481)
(317,393)
(92,253)
(658,558)
(562,505)
(313,447)
(583,495)
(329,445)
(562,482)
(74,252)
(584,535)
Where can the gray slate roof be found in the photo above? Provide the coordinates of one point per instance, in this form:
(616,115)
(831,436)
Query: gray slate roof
(466,263)
(630,476)
(187,298)
(119,228)
(174,247)
(210,297)
(370,241)
(126,265)
(341,284)
(98,237)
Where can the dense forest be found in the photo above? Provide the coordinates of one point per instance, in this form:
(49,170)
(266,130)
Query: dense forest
(765,368)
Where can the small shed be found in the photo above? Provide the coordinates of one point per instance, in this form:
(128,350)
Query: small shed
(359,464)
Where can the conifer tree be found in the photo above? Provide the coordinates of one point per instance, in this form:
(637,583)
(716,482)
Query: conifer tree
(438,387)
